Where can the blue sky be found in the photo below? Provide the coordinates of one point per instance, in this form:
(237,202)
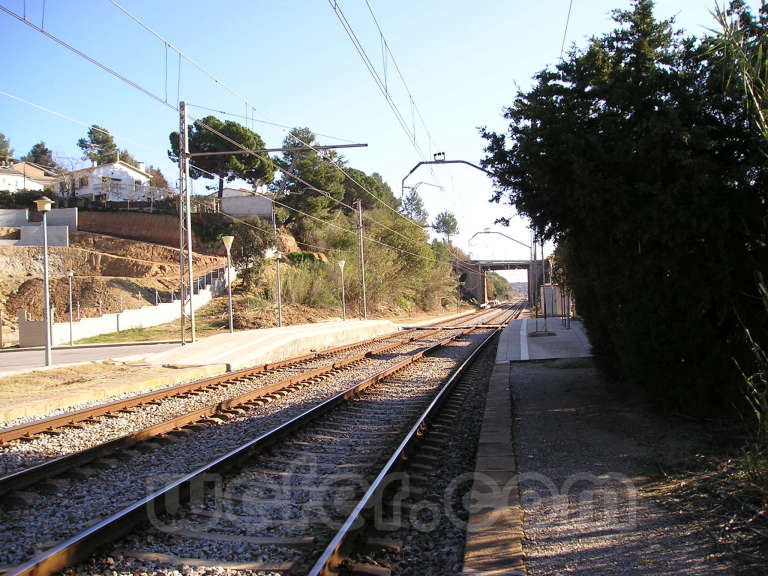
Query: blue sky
(292,60)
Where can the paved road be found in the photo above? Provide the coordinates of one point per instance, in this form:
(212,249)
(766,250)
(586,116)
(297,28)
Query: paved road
(15,360)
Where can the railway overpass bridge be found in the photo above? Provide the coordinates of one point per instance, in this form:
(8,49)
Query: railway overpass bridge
(474,273)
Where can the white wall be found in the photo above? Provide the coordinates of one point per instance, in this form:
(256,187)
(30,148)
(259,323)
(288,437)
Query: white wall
(13,218)
(33,236)
(63,217)
(247,206)
(17,182)
(31,332)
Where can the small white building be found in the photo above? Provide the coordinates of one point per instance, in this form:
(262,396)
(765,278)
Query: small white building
(14,181)
(242,202)
(112,182)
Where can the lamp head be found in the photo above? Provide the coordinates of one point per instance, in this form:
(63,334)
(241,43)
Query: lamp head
(341,264)
(227,241)
(43,204)
(70,273)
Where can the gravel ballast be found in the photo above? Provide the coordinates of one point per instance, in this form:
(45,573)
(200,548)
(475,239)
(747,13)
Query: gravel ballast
(50,513)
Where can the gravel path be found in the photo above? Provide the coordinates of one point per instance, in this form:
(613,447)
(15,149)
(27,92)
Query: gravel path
(584,456)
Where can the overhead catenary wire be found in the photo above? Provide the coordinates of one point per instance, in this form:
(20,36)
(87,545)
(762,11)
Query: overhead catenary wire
(243,99)
(353,180)
(162,101)
(565,32)
(83,55)
(285,127)
(385,45)
(267,158)
(305,214)
(377,79)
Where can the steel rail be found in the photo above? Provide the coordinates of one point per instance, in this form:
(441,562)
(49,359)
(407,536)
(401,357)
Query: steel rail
(49,469)
(78,547)
(49,425)
(332,556)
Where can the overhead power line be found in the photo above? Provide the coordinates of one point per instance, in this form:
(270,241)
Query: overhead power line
(83,55)
(162,101)
(385,46)
(251,107)
(565,32)
(285,127)
(381,83)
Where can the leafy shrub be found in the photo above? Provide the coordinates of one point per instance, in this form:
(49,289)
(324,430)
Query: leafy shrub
(308,284)
(301,257)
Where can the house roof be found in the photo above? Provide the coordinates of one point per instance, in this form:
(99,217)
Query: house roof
(118,162)
(239,192)
(10,172)
(35,171)
(47,172)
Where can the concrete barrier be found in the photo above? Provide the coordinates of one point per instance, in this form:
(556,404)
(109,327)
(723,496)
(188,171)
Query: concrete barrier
(31,332)
(13,218)
(63,217)
(33,236)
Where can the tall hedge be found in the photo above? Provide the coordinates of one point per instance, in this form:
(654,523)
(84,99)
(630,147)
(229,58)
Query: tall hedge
(637,156)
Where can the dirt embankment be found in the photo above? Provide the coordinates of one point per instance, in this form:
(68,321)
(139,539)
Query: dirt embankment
(106,269)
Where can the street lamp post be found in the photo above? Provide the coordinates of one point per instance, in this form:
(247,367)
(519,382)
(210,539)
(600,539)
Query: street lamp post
(2,304)
(279,255)
(343,303)
(228,244)
(43,205)
(70,273)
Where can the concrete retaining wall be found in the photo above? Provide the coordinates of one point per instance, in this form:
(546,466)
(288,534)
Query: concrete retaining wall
(33,236)
(247,206)
(13,218)
(63,217)
(31,332)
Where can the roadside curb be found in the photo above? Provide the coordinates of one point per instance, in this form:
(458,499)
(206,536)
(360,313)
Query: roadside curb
(10,350)
(66,401)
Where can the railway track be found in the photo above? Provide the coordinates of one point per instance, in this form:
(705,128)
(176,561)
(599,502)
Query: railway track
(53,424)
(23,462)
(238,423)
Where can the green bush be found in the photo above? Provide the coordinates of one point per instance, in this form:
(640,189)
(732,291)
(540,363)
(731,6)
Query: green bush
(21,199)
(301,257)
(308,284)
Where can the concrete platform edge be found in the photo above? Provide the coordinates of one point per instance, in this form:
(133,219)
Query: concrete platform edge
(495,531)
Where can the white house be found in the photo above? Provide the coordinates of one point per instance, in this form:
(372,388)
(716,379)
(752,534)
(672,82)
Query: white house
(111,182)
(242,202)
(14,181)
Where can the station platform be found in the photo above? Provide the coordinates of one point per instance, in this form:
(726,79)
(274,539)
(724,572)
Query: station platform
(527,339)
(495,532)
(247,348)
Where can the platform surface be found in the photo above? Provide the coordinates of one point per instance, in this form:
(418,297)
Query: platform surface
(252,347)
(521,341)
(495,530)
